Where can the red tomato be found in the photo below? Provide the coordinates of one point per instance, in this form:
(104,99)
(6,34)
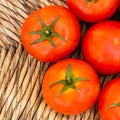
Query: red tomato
(109,101)
(50,33)
(70,86)
(93,10)
(101,47)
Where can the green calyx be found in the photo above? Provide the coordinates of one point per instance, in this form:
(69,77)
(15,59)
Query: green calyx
(92,1)
(114,105)
(47,32)
(69,81)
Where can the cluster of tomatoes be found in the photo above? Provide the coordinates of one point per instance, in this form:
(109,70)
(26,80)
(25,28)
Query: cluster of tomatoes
(71,85)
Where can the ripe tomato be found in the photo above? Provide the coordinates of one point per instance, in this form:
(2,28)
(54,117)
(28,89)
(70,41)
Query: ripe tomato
(50,33)
(109,101)
(101,47)
(70,86)
(93,10)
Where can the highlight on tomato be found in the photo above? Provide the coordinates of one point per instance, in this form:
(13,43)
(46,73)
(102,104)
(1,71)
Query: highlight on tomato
(70,86)
(93,10)
(109,101)
(101,47)
(50,33)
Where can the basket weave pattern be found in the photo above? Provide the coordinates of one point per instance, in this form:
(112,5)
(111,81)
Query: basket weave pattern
(21,75)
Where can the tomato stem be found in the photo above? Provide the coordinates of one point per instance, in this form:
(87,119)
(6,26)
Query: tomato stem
(69,81)
(47,32)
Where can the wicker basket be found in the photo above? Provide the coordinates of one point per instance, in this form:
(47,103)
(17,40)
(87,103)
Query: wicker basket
(21,75)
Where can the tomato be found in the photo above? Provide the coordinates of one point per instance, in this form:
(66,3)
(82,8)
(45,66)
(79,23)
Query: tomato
(109,101)
(101,47)
(70,86)
(93,10)
(50,33)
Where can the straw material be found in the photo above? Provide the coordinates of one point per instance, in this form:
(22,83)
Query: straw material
(21,75)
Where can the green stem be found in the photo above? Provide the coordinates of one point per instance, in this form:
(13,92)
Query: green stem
(47,32)
(69,81)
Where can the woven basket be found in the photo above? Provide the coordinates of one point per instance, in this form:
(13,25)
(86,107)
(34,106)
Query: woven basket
(21,75)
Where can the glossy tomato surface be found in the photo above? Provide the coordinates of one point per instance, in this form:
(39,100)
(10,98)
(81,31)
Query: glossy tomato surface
(50,33)
(93,10)
(72,97)
(101,47)
(109,101)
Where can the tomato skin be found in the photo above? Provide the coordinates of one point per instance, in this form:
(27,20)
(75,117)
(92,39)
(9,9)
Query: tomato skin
(93,12)
(67,26)
(70,101)
(110,94)
(101,47)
